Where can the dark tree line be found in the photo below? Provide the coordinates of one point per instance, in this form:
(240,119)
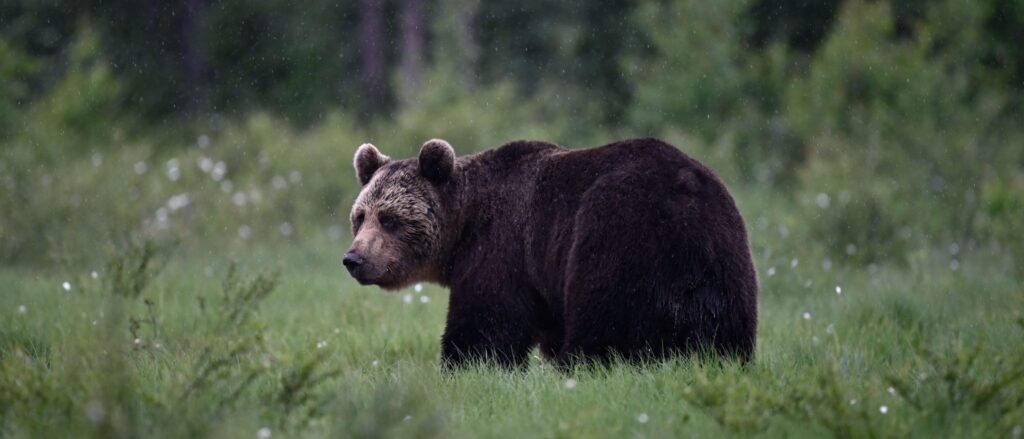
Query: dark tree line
(369,56)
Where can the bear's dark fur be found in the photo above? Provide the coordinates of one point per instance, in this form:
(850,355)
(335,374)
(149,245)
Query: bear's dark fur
(630,249)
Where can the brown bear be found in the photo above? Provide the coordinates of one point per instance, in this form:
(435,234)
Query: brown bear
(630,250)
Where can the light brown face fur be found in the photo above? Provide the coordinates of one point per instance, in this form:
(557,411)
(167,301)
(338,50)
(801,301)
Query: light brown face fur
(396,227)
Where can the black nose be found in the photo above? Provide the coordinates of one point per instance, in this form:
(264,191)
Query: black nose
(352,261)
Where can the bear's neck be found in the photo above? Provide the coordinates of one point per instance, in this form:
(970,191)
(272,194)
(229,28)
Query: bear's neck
(492,192)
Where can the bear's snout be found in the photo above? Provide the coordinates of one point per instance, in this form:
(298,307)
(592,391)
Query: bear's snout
(353,262)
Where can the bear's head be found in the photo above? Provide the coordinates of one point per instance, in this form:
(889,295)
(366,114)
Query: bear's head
(401,217)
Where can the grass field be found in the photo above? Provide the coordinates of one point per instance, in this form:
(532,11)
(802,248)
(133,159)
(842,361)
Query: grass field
(181,343)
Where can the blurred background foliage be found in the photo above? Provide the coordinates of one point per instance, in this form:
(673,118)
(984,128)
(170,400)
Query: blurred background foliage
(876,129)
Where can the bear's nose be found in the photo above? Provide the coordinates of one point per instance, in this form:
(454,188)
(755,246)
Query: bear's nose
(352,261)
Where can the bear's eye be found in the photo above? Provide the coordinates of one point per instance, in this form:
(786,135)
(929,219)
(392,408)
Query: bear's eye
(358,221)
(388,222)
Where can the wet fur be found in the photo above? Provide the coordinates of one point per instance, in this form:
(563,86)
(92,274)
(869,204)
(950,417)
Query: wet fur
(630,249)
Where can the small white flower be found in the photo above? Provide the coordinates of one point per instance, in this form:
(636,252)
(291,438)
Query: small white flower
(418,287)
(263,433)
(94,275)
(138,341)
(883,409)
(375,363)
(830,329)
(204,141)
(822,200)
(321,344)
(892,391)
(227,186)
(95,322)
(337,331)
(244,232)
(794,263)
(407,298)
(139,168)
(407,418)
(853,402)
(239,198)
(839,289)
(570,383)
(178,201)
(642,418)
(295,177)
(851,249)
(219,170)
(954,265)
(424,299)
(278,182)
(66,286)
(771,271)
(173,172)
(807,315)
(22,309)
(205,164)
(286,229)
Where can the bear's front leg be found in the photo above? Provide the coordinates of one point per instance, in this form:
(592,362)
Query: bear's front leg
(485,326)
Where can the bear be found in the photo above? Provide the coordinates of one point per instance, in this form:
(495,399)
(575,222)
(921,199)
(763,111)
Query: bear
(631,250)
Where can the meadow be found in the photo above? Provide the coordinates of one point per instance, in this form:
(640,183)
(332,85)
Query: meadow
(278,341)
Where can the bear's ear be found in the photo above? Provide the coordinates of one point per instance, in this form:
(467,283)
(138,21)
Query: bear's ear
(437,160)
(367,161)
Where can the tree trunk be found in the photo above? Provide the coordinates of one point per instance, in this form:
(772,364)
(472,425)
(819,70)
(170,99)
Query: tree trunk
(192,61)
(371,49)
(412,49)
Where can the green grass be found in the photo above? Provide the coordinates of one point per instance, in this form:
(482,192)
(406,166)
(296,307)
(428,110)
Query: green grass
(320,356)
